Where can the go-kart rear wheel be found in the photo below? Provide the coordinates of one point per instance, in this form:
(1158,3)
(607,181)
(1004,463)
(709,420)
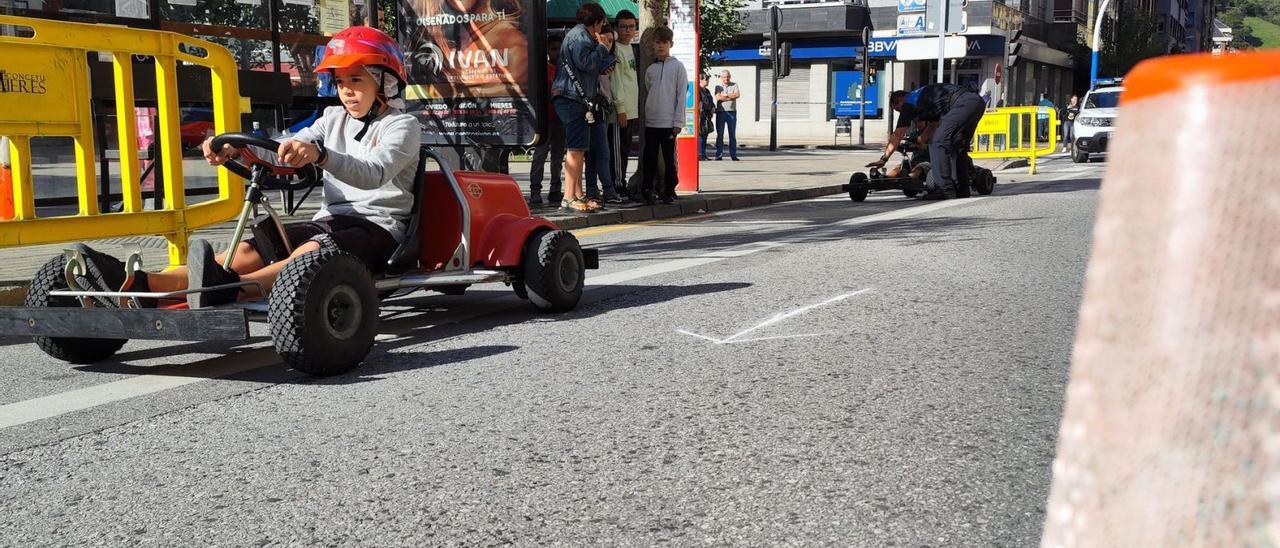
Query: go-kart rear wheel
(553,270)
(69,349)
(984,182)
(857,190)
(323,313)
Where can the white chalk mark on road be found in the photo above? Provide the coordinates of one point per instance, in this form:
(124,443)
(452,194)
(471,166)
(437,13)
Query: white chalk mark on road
(737,337)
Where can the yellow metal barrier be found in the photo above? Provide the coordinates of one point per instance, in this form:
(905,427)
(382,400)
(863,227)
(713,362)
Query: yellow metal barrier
(45,93)
(1011,132)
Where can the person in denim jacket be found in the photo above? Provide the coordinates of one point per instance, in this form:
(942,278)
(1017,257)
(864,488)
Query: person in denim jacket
(582,60)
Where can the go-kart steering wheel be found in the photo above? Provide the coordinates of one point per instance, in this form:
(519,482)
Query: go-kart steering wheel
(296,179)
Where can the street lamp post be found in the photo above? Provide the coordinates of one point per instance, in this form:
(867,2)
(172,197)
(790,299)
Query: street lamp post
(1097,35)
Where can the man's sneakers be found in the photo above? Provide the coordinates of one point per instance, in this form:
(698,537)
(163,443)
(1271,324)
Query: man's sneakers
(204,271)
(106,274)
(535,198)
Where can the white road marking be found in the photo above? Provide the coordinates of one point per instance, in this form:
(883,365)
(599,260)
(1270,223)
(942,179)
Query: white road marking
(54,405)
(737,337)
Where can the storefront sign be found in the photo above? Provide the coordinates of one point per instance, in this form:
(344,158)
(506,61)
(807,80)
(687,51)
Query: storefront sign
(910,6)
(477,70)
(911,24)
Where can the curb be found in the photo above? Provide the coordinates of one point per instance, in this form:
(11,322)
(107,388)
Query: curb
(688,205)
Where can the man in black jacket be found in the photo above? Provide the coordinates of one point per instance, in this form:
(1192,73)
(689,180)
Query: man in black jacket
(957,111)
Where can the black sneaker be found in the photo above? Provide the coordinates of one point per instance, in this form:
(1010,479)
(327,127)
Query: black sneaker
(204,271)
(555,197)
(106,273)
(615,200)
(535,198)
(668,199)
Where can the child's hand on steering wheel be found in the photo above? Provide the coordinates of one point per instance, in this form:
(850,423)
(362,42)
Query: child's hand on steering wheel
(227,153)
(297,153)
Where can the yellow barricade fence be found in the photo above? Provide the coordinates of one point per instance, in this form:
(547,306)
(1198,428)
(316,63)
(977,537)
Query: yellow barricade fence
(45,93)
(1011,132)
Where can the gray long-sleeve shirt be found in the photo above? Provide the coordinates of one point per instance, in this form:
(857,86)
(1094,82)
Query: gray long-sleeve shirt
(373,177)
(668,84)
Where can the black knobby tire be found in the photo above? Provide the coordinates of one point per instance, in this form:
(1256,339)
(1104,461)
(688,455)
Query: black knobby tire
(857,192)
(1079,157)
(69,349)
(553,270)
(323,313)
(984,182)
(910,193)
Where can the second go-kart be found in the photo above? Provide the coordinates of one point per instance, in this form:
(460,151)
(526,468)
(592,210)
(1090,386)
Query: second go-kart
(465,228)
(860,184)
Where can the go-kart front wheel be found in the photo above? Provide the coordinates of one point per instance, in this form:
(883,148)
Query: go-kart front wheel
(68,349)
(553,271)
(857,190)
(323,312)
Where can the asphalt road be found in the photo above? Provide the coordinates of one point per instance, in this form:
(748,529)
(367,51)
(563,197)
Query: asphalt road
(810,373)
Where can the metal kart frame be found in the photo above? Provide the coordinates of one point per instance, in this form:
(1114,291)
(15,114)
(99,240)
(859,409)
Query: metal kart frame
(876,180)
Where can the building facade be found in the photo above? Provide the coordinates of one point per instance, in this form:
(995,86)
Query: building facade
(820,96)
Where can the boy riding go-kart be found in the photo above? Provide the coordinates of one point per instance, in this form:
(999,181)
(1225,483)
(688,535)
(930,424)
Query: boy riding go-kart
(385,225)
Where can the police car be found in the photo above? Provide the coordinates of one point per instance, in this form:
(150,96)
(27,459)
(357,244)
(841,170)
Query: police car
(1097,120)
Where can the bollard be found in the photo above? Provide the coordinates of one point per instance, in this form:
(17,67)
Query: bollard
(1171,431)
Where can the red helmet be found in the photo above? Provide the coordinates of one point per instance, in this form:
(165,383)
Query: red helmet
(360,46)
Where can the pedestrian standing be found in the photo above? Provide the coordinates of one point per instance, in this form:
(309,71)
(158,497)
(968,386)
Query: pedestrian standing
(1042,117)
(706,113)
(664,112)
(582,59)
(626,95)
(727,94)
(553,142)
(1069,123)
(602,126)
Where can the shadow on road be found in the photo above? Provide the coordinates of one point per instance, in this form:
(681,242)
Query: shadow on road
(411,326)
(1051,187)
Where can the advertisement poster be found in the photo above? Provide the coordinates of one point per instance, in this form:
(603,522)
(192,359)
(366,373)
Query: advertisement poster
(683,19)
(477,69)
(848,100)
(684,27)
(335,16)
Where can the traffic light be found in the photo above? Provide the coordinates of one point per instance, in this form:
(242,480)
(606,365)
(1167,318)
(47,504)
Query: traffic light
(1012,48)
(784,60)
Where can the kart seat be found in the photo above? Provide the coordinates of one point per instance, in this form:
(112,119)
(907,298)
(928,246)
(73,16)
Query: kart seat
(405,257)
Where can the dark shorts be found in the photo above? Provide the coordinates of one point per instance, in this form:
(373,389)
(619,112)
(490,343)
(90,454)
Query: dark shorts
(370,243)
(574,117)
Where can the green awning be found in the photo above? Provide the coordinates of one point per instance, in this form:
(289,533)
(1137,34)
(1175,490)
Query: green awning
(566,9)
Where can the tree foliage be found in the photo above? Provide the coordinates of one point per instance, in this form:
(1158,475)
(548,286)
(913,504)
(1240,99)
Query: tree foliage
(1134,39)
(718,27)
(1233,12)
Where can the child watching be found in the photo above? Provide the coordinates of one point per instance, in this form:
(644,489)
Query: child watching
(368,151)
(664,112)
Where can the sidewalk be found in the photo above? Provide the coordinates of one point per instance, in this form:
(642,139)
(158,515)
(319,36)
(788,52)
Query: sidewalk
(761,178)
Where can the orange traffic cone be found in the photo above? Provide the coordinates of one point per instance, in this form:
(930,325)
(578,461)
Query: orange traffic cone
(1171,431)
